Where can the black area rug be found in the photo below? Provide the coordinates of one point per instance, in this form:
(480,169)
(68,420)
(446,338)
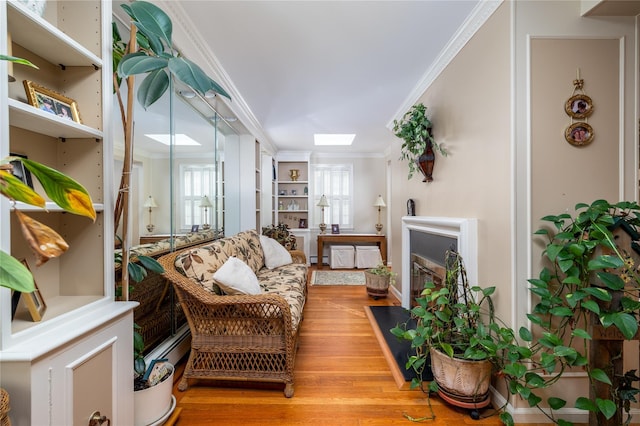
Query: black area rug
(387,317)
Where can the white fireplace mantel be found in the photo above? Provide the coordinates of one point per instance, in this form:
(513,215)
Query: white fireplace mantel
(464,230)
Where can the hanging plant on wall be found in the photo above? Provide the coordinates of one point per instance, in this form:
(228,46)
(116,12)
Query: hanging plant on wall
(419,146)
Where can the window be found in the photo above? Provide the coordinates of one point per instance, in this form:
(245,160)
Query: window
(197,180)
(335,181)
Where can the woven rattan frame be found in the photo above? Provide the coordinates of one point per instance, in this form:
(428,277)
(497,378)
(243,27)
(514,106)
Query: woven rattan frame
(241,337)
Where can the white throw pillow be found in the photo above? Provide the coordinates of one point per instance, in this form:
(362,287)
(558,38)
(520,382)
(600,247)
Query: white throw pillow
(274,253)
(236,277)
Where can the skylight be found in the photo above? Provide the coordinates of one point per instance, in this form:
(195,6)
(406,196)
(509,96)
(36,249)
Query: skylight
(333,138)
(180,139)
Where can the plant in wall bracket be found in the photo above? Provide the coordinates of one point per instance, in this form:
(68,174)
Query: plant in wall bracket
(150,51)
(419,146)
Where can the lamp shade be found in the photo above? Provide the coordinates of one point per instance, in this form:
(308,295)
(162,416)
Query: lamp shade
(205,202)
(150,202)
(379,202)
(323,202)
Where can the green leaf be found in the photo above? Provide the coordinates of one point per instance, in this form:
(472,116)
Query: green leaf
(583,403)
(561,311)
(612,281)
(579,332)
(151,264)
(607,407)
(552,251)
(525,334)
(61,189)
(152,21)
(600,375)
(564,351)
(14,189)
(506,419)
(14,275)
(17,60)
(627,324)
(605,262)
(193,76)
(154,85)
(598,293)
(592,306)
(556,403)
(139,63)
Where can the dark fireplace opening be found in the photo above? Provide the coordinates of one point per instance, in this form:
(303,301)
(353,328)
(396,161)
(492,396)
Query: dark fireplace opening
(427,260)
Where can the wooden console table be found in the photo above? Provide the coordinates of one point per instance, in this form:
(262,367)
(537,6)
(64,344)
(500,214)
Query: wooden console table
(323,239)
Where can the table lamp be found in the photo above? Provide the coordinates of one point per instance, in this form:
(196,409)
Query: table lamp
(206,203)
(151,204)
(379,204)
(322,204)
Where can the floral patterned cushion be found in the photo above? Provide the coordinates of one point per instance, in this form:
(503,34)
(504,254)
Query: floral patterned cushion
(290,282)
(163,246)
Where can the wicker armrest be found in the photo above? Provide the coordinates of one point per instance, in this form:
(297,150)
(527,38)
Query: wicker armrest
(298,256)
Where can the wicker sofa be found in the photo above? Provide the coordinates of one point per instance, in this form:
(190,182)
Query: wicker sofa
(154,315)
(241,337)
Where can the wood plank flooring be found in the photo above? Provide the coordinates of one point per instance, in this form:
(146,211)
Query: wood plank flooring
(341,378)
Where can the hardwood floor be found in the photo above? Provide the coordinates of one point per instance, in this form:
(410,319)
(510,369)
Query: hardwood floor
(341,377)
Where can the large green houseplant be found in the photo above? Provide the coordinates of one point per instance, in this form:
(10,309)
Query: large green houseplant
(588,286)
(457,320)
(418,146)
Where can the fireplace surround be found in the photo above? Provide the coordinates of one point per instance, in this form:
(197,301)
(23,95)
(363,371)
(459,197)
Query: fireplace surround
(425,239)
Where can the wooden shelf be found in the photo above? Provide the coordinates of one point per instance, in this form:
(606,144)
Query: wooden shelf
(28,117)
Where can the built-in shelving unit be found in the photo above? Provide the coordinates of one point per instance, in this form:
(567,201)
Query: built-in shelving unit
(293,195)
(47,365)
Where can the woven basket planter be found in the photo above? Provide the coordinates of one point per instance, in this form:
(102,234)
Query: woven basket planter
(377,285)
(465,381)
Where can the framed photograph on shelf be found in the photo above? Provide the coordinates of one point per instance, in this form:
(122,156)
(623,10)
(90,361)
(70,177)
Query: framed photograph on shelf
(194,228)
(335,228)
(20,171)
(52,102)
(302,223)
(34,301)
(579,106)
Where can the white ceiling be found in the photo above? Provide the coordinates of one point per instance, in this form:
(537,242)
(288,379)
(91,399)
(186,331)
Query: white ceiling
(305,67)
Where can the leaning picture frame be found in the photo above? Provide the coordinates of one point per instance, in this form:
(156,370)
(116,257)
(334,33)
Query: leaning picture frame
(34,301)
(50,101)
(20,171)
(335,228)
(579,106)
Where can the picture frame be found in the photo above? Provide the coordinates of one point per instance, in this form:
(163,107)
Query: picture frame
(20,171)
(51,101)
(194,228)
(34,301)
(302,223)
(579,134)
(579,106)
(335,228)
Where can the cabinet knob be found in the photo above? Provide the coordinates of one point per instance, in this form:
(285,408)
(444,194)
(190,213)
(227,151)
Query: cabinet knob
(96,419)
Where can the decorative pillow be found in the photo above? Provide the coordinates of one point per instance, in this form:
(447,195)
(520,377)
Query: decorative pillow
(236,277)
(274,253)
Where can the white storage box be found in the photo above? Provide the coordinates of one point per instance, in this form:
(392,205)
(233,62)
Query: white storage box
(368,256)
(342,257)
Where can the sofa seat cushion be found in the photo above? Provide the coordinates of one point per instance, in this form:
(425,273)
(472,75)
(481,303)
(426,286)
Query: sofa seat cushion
(288,281)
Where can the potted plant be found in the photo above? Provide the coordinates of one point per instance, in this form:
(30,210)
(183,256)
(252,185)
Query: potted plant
(152,397)
(457,331)
(378,279)
(419,146)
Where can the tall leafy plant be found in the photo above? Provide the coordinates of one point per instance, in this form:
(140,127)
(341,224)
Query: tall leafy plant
(150,51)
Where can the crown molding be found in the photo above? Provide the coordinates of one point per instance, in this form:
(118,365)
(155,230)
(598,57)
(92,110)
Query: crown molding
(467,30)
